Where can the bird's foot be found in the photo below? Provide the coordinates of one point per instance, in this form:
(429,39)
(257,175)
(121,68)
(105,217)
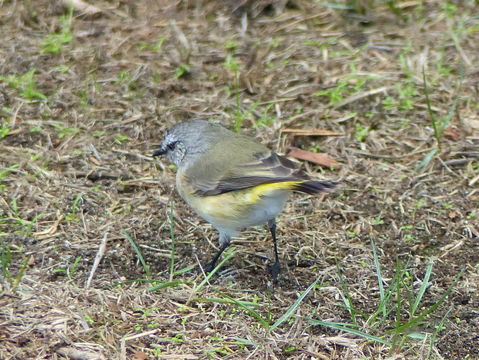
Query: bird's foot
(209,267)
(275,269)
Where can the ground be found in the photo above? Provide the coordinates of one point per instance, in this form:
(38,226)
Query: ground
(100,257)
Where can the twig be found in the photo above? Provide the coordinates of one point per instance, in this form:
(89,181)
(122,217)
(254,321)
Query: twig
(459,162)
(446,167)
(76,354)
(180,36)
(82,7)
(361,95)
(132,337)
(100,175)
(96,262)
(311,132)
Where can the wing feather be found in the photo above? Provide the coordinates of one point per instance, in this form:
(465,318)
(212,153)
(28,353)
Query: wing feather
(268,167)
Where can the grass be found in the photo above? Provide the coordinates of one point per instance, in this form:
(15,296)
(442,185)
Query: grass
(7,261)
(4,130)
(171,223)
(228,254)
(65,131)
(55,42)
(20,224)
(71,270)
(182,71)
(73,215)
(346,86)
(5,172)
(233,69)
(400,315)
(138,253)
(156,46)
(84,99)
(25,84)
(266,322)
(388,322)
(438,125)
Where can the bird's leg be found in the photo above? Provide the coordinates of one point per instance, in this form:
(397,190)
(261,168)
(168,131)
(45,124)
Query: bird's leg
(276,267)
(225,241)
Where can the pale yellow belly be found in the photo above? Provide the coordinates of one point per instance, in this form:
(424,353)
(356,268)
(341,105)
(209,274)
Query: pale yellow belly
(235,210)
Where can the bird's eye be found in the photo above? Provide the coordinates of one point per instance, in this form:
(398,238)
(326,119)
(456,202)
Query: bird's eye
(171,146)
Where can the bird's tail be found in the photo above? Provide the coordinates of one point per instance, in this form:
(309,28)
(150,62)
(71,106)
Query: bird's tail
(313,187)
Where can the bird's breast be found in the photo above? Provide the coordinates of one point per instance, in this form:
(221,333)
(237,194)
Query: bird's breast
(235,210)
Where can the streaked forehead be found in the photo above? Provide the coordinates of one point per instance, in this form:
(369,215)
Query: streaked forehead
(188,130)
(169,137)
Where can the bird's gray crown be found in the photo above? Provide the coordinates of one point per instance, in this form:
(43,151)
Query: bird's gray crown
(188,139)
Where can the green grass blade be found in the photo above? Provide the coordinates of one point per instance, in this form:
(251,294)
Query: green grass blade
(345,296)
(383,305)
(21,272)
(253,313)
(293,307)
(438,328)
(379,276)
(423,287)
(131,281)
(165,285)
(230,253)
(449,116)
(243,341)
(171,223)
(142,280)
(399,278)
(5,259)
(184,270)
(389,294)
(349,330)
(432,117)
(71,270)
(417,319)
(385,295)
(7,170)
(339,323)
(426,159)
(137,251)
(226,300)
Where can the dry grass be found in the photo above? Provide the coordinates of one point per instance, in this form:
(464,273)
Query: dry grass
(77,179)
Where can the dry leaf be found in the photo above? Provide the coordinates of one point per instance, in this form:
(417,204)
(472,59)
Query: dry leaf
(31,260)
(452,214)
(140,355)
(317,158)
(51,230)
(452,134)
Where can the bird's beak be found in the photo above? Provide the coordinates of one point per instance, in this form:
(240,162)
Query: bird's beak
(160,151)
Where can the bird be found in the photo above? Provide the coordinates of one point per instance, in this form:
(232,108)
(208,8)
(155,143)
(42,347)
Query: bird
(233,181)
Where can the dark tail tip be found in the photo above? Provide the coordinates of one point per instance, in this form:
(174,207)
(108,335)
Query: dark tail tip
(314,187)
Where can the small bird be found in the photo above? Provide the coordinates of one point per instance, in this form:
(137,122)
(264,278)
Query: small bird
(231,180)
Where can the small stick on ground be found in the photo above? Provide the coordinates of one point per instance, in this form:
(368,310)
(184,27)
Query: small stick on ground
(96,262)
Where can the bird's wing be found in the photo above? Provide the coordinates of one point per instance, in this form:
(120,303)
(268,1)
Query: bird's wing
(222,170)
(269,167)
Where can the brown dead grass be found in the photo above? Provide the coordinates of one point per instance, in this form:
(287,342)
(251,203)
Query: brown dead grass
(119,94)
